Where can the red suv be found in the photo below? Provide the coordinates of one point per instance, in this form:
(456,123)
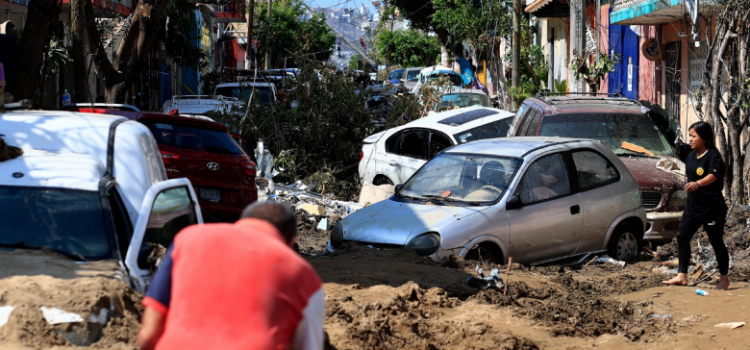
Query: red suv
(203,151)
(638,135)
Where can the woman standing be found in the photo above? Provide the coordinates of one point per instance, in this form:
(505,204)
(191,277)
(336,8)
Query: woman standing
(705,203)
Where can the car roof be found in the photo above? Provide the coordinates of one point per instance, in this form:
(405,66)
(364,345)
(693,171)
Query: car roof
(433,121)
(119,106)
(435,68)
(590,104)
(511,146)
(457,90)
(245,82)
(40,168)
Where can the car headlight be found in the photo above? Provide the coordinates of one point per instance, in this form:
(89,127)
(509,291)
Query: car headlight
(337,235)
(426,244)
(678,198)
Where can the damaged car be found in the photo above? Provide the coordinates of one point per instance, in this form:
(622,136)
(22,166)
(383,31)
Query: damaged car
(87,192)
(534,199)
(633,130)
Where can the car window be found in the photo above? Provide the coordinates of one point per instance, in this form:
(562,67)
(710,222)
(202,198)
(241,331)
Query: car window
(413,144)
(495,129)
(412,75)
(624,133)
(176,135)
(451,177)
(393,144)
(530,122)
(593,170)
(461,100)
(517,119)
(262,93)
(455,79)
(123,227)
(438,143)
(64,220)
(172,211)
(545,179)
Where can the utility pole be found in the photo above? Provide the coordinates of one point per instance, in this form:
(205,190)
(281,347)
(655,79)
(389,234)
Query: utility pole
(249,38)
(515,73)
(268,40)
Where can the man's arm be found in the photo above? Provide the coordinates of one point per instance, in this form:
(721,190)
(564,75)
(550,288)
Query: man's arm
(152,327)
(310,334)
(156,303)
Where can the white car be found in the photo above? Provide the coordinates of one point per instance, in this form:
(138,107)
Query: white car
(89,187)
(392,156)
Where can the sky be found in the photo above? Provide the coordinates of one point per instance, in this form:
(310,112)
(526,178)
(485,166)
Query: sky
(350,4)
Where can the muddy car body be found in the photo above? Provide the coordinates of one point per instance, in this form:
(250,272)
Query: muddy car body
(617,120)
(535,199)
(90,189)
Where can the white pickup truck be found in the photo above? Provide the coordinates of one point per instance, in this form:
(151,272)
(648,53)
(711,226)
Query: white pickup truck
(225,97)
(88,188)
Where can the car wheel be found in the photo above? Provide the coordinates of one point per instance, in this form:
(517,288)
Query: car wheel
(624,244)
(485,252)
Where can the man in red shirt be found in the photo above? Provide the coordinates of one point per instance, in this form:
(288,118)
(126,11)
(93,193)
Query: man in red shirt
(235,286)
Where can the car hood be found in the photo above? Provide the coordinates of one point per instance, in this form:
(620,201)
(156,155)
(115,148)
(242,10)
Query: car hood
(25,262)
(647,175)
(394,222)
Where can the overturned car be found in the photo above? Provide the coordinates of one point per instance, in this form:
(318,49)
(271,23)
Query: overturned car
(533,199)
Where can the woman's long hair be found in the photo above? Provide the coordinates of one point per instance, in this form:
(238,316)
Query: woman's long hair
(706,133)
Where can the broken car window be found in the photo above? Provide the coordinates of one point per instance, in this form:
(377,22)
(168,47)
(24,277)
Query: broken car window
(529,123)
(64,220)
(413,144)
(545,179)
(614,129)
(393,144)
(461,177)
(438,143)
(593,170)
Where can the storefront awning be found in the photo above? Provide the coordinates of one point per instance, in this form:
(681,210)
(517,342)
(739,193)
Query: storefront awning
(549,9)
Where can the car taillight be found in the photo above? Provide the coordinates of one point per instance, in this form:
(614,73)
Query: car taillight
(169,158)
(249,168)
(361,155)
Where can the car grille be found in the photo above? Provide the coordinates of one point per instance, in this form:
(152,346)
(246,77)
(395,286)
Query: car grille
(651,199)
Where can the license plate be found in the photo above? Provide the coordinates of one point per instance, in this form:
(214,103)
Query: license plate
(210,194)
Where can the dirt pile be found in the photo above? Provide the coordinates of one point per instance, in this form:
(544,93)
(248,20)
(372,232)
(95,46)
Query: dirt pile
(310,239)
(83,296)
(415,319)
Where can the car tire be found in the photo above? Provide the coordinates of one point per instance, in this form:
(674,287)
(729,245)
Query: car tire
(624,244)
(485,252)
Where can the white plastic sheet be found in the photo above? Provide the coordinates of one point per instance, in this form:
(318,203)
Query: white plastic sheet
(56,316)
(5,314)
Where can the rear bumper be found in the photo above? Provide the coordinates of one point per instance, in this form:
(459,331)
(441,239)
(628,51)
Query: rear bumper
(662,226)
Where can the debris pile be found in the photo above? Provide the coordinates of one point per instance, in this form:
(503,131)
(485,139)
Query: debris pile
(42,311)
(415,319)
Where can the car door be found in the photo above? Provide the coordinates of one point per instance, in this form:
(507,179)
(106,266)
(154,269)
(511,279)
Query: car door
(413,153)
(388,163)
(600,198)
(548,224)
(168,207)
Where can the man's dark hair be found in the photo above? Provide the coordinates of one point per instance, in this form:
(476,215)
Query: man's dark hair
(705,131)
(277,214)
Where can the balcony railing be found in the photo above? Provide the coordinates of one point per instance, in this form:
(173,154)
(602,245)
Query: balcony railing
(651,12)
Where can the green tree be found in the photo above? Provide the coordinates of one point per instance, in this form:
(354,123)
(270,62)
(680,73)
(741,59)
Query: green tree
(480,23)
(291,36)
(407,48)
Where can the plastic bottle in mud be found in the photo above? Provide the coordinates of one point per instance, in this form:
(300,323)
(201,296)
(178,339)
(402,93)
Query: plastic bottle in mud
(701,292)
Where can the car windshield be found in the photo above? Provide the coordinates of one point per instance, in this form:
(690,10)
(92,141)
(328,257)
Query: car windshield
(454,78)
(625,134)
(492,130)
(412,75)
(395,74)
(67,221)
(454,177)
(461,100)
(176,135)
(262,93)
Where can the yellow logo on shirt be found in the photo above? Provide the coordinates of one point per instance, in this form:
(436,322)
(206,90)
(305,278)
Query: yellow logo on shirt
(699,171)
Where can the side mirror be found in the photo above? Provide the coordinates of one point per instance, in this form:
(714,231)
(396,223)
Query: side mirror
(398,187)
(514,202)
